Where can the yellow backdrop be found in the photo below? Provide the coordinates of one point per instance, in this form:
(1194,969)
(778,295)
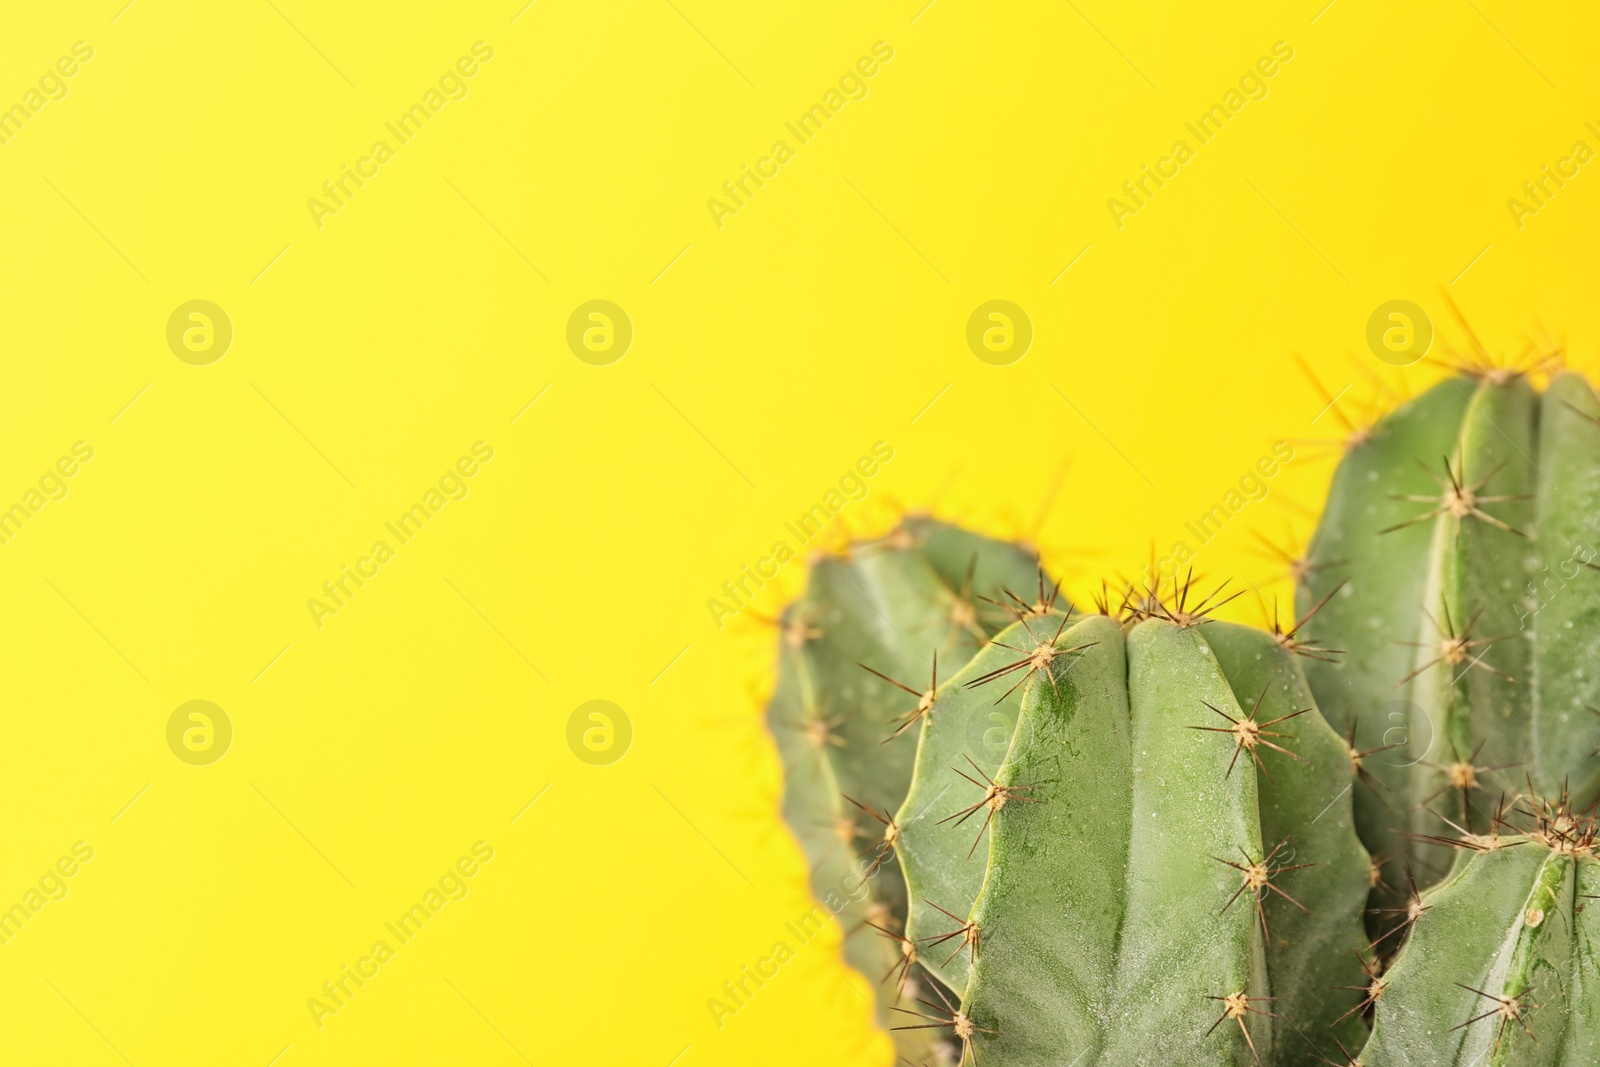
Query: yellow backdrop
(395,219)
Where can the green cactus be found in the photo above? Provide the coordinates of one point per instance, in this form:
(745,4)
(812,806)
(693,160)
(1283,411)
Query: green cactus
(1130,839)
(925,594)
(1499,967)
(1171,873)
(1457,554)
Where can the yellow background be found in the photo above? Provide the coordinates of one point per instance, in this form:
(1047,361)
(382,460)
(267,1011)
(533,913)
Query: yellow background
(768,354)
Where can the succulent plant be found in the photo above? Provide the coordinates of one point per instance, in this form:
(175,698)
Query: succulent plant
(1171,873)
(927,594)
(1142,837)
(1499,965)
(1457,556)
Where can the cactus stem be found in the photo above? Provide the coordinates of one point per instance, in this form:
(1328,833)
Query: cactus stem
(1236,1006)
(994,798)
(1258,875)
(1248,734)
(967,932)
(1373,989)
(1457,499)
(924,699)
(1507,1009)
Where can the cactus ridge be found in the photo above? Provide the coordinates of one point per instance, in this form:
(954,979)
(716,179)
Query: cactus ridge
(969,738)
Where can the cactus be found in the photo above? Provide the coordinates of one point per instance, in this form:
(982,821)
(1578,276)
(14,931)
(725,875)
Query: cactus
(1457,555)
(1171,873)
(925,594)
(1131,838)
(1499,964)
